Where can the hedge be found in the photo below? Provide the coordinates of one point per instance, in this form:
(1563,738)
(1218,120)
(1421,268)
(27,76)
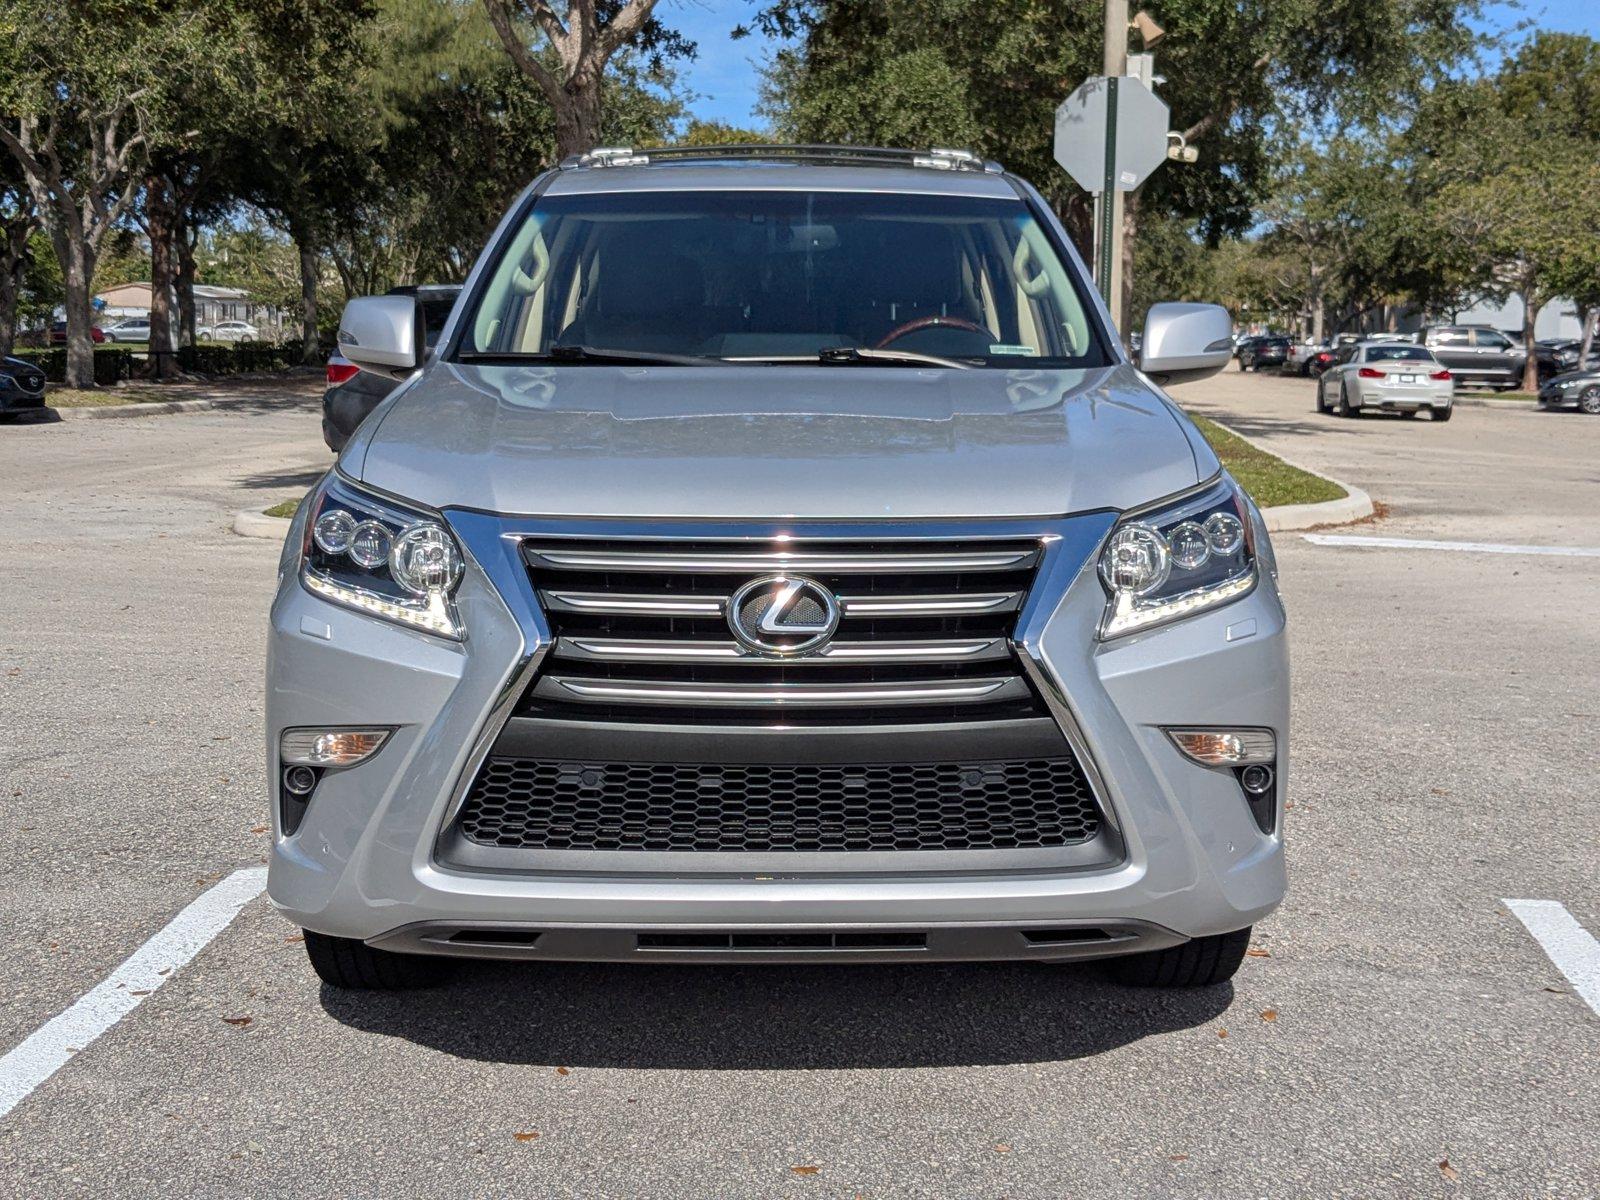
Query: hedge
(114,364)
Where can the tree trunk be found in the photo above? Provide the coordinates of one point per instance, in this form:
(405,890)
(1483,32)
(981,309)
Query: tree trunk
(160,219)
(77,276)
(183,276)
(308,301)
(1590,320)
(1530,341)
(14,264)
(578,117)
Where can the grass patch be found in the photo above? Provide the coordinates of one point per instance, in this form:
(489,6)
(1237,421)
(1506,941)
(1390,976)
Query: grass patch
(65,397)
(283,508)
(1269,480)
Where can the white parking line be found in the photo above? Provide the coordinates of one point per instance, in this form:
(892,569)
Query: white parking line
(1570,946)
(1390,543)
(47,1048)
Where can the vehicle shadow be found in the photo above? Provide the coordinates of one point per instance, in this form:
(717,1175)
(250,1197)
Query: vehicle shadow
(267,480)
(775,1017)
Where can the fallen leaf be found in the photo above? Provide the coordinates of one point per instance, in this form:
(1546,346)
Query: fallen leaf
(1448,1171)
(1269,1014)
(1558,991)
(299,937)
(258,829)
(805,1170)
(1258,952)
(239,1021)
(1222,1033)
(1002,1148)
(1177,1158)
(255,1147)
(563,1071)
(1439,791)
(140,992)
(526,1135)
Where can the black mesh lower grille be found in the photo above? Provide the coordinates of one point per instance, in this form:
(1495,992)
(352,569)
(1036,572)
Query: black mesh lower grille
(1009,805)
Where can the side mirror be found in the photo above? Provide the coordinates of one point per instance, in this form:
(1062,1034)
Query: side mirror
(382,334)
(1186,341)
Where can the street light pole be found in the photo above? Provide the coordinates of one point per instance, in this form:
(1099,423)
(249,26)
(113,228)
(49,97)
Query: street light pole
(1110,213)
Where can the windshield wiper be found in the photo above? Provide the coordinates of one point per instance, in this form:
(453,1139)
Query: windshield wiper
(851,355)
(591,354)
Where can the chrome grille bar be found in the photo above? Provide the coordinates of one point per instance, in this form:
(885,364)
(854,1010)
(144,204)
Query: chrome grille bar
(685,605)
(683,650)
(772,695)
(891,561)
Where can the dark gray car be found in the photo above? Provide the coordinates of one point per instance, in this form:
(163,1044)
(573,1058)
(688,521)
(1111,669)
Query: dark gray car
(353,393)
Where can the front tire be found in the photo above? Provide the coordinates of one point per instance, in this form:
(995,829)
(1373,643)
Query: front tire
(346,963)
(1202,962)
(1444,414)
(1589,401)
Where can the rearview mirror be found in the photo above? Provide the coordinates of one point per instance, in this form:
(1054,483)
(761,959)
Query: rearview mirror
(382,334)
(1186,341)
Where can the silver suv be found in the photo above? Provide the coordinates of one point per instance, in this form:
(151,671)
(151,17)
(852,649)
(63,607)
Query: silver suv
(777,560)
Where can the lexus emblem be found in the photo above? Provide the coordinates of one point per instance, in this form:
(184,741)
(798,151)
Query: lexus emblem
(783,614)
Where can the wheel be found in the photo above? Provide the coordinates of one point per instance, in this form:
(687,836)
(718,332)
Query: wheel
(1443,414)
(1589,400)
(1344,403)
(1199,963)
(1408,413)
(347,963)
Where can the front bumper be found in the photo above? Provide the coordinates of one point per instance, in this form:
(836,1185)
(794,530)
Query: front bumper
(363,863)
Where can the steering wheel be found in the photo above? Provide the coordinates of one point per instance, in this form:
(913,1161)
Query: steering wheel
(900,331)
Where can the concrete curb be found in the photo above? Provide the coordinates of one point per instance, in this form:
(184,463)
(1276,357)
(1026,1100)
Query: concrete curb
(1355,505)
(252,524)
(157,408)
(1495,402)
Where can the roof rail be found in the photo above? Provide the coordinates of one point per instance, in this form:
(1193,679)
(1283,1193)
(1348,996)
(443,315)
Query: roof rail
(938,159)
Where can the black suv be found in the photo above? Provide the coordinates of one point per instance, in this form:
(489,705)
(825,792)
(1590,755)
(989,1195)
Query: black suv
(1476,354)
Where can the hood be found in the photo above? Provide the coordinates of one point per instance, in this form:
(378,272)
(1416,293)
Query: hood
(764,442)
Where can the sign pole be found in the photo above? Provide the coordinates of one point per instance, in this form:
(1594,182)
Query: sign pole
(1111,198)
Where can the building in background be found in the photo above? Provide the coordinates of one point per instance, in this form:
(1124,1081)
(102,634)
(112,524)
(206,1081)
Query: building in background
(211,304)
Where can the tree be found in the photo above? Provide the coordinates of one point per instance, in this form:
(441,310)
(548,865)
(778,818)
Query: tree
(80,85)
(988,74)
(1508,179)
(579,45)
(19,220)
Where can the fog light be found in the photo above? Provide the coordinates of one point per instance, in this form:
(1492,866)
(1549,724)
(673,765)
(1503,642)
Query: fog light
(1256,779)
(299,781)
(329,747)
(1226,747)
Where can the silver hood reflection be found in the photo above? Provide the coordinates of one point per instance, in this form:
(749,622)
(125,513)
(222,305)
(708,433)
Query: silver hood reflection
(778,442)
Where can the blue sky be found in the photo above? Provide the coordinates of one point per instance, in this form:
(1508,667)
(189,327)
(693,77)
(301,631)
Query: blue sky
(726,76)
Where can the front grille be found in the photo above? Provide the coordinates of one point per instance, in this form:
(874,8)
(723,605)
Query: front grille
(534,804)
(641,632)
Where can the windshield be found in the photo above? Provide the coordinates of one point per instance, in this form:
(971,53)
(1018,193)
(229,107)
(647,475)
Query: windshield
(784,276)
(1405,353)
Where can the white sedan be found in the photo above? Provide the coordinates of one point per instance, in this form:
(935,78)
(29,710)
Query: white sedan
(229,331)
(1389,377)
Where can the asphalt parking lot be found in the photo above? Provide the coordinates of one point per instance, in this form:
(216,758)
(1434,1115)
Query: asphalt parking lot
(1398,1031)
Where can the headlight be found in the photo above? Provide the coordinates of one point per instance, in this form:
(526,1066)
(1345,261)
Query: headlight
(376,557)
(1172,562)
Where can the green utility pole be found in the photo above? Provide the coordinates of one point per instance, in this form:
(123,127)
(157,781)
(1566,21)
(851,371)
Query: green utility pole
(1111,198)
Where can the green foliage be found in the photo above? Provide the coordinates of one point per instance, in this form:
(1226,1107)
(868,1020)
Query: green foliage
(989,73)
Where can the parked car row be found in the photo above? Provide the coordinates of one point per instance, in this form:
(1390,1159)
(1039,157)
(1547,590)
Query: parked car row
(137,329)
(1474,354)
